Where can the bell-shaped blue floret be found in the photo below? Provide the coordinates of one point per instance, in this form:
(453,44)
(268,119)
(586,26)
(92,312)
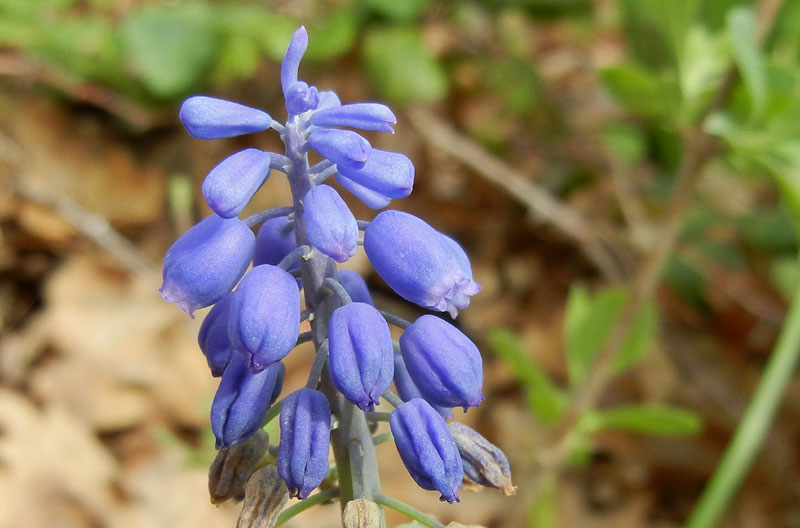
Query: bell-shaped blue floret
(365,116)
(408,390)
(213,337)
(212,118)
(305,438)
(264,316)
(343,147)
(361,358)
(419,263)
(291,60)
(355,286)
(231,184)
(330,226)
(368,197)
(386,173)
(427,448)
(301,97)
(445,364)
(205,263)
(242,400)
(274,241)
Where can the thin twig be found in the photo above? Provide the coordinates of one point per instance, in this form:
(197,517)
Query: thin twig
(541,204)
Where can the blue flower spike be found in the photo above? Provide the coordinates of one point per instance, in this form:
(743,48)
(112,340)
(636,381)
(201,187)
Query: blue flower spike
(264,317)
(444,364)
(242,400)
(427,449)
(305,423)
(361,357)
(212,118)
(330,226)
(256,316)
(205,263)
(231,184)
(420,264)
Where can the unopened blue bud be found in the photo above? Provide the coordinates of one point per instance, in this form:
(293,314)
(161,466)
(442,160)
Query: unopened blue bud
(231,184)
(387,173)
(213,337)
(366,116)
(291,60)
(368,197)
(343,147)
(305,440)
(427,448)
(242,400)
(274,241)
(205,263)
(361,358)
(419,263)
(408,390)
(330,226)
(301,97)
(264,316)
(212,118)
(444,364)
(355,286)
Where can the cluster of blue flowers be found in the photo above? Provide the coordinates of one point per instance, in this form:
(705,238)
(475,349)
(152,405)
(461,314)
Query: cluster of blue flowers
(256,315)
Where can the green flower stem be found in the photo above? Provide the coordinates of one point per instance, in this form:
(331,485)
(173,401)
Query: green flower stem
(407,510)
(393,399)
(317,498)
(273,411)
(373,416)
(382,438)
(754,426)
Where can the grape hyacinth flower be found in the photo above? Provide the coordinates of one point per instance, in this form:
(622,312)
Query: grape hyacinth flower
(254,325)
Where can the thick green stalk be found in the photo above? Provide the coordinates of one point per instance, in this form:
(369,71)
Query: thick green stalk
(752,430)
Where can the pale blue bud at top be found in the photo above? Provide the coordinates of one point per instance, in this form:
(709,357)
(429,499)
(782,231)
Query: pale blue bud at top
(355,286)
(264,316)
(408,390)
(231,184)
(427,448)
(213,337)
(301,97)
(291,60)
(205,263)
(328,99)
(419,263)
(368,197)
(242,400)
(387,173)
(330,226)
(366,116)
(274,241)
(360,357)
(343,147)
(212,118)
(445,364)
(305,439)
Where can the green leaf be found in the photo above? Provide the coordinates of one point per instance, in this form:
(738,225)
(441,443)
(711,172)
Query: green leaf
(402,67)
(626,142)
(546,401)
(335,35)
(658,420)
(588,323)
(676,17)
(404,11)
(170,47)
(784,273)
(639,340)
(741,30)
(636,89)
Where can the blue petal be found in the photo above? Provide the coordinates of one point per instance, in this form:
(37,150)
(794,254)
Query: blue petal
(368,197)
(230,185)
(330,226)
(387,173)
(366,116)
(305,423)
(291,60)
(355,286)
(343,147)
(212,118)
